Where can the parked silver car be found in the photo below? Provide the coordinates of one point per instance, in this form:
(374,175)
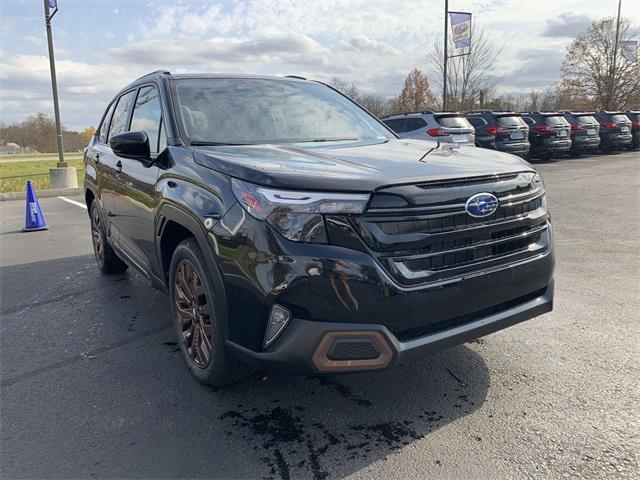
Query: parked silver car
(450,127)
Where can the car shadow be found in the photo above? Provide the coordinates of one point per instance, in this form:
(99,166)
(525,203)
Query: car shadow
(104,392)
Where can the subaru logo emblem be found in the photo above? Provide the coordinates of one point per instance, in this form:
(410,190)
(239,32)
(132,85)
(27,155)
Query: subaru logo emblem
(481,205)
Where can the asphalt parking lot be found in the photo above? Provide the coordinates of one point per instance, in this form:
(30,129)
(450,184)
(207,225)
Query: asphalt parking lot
(93,386)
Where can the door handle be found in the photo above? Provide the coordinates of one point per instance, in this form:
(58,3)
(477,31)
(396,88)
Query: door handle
(97,158)
(118,166)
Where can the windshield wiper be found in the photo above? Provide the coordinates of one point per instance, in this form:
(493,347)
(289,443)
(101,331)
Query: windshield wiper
(328,139)
(214,144)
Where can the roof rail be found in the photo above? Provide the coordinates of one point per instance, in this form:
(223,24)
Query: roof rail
(295,76)
(165,72)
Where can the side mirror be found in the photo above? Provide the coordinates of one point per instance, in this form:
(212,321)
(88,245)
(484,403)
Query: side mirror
(133,145)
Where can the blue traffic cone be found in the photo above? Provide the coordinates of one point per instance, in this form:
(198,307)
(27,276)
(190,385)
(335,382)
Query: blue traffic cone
(34,220)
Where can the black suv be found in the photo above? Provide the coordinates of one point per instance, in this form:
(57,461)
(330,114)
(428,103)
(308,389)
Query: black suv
(549,134)
(585,131)
(294,232)
(634,117)
(615,130)
(504,131)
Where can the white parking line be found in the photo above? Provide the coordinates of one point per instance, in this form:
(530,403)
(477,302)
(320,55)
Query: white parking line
(78,204)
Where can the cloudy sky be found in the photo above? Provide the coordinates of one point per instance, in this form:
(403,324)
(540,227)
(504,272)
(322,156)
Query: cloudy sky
(102,45)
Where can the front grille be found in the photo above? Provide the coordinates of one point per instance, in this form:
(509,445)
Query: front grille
(437,240)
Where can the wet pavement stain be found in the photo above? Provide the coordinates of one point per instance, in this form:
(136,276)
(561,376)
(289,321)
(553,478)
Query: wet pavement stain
(310,447)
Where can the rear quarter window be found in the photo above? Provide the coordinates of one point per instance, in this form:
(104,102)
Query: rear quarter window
(121,114)
(104,127)
(414,124)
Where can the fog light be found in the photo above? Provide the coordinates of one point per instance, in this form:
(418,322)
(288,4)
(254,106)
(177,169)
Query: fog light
(278,320)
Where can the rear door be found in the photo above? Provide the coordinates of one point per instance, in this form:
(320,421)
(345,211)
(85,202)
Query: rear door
(135,206)
(559,128)
(457,127)
(511,129)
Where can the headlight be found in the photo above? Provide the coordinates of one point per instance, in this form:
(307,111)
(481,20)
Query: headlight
(296,215)
(537,181)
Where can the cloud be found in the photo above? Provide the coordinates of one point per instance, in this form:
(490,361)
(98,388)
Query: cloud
(566,25)
(294,48)
(200,22)
(33,40)
(537,68)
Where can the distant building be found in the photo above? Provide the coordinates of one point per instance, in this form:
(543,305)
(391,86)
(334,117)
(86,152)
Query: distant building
(12,148)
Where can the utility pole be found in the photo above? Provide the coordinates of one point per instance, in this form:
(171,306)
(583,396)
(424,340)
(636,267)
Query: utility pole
(615,57)
(446,55)
(62,176)
(54,84)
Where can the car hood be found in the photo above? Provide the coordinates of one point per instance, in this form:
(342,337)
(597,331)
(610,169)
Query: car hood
(362,168)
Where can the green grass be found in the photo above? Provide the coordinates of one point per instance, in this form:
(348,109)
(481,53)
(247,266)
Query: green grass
(70,155)
(14,175)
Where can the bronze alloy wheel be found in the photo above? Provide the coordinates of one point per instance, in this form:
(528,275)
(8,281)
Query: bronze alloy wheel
(96,235)
(193,313)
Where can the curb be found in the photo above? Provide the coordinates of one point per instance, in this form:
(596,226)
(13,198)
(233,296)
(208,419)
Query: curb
(53,192)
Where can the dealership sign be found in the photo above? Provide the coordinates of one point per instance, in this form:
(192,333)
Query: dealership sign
(461,29)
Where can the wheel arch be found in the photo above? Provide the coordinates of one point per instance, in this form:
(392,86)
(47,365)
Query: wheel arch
(174,225)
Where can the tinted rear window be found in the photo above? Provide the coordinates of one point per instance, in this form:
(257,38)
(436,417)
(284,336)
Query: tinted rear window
(556,120)
(476,122)
(511,121)
(453,122)
(585,119)
(619,118)
(634,116)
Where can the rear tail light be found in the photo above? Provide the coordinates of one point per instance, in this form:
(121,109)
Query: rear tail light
(493,130)
(544,128)
(608,125)
(576,127)
(437,132)
(635,123)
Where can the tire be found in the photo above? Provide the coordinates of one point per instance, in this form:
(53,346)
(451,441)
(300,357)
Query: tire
(198,318)
(106,257)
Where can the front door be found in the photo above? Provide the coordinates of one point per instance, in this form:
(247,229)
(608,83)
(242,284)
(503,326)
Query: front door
(135,204)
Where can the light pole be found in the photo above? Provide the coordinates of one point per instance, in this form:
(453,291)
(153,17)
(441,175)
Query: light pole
(62,176)
(615,58)
(446,55)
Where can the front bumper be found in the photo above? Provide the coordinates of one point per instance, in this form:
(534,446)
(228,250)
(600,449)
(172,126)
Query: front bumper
(298,351)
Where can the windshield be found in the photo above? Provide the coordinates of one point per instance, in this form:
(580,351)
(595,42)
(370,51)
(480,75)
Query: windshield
(258,111)
(556,120)
(511,121)
(453,122)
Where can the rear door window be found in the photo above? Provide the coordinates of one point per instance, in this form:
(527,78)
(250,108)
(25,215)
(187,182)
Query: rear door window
(510,121)
(121,114)
(397,125)
(453,122)
(556,121)
(147,115)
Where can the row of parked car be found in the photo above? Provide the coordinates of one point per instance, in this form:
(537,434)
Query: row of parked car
(542,135)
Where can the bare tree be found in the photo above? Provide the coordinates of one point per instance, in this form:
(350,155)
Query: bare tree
(415,95)
(470,78)
(376,104)
(589,69)
(347,88)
